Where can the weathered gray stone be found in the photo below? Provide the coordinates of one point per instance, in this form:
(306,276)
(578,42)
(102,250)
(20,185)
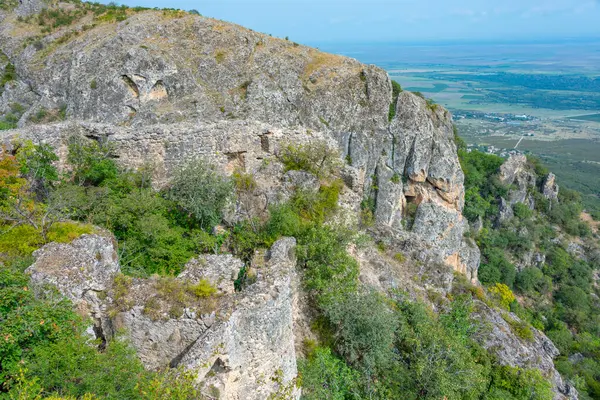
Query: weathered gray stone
(512,350)
(517,172)
(251,354)
(247,343)
(219,270)
(83,271)
(505,212)
(550,188)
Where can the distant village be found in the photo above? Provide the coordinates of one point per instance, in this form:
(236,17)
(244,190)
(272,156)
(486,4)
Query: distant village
(504,153)
(511,119)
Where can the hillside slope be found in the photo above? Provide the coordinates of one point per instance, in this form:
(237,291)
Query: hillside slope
(364,176)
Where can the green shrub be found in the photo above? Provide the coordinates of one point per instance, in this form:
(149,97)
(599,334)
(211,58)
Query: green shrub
(201,192)
(431,105)
(315,157)
(522,384)
(91,161)
(399,257)
(20,241)
(203,289)
(65,232)
(10,74)
(364,329)
(502,294)
(243,182)
(324,376)
(319,206)
(522,211)
(532,280)
(436,357)
(520,328)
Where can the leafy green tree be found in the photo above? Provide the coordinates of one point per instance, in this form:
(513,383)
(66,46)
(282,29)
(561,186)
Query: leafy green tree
(522,211)
(520,384)
(37,166)
(559,262)
(436,360)
(201,192)
(91,161)
(315,157)
(532,280)
(364,329)
(475,205)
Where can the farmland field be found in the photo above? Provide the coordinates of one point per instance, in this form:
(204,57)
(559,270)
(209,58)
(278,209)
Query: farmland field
(590,117)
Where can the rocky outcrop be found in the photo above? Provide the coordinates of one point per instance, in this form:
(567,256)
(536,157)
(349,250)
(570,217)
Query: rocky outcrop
(251,355)
(517,172)
(516,351)
(550,188)
(83,271)
(164,88)
(239,344)
(519,175)
(505,212)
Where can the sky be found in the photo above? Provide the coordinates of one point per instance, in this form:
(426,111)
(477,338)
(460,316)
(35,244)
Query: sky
(355,21)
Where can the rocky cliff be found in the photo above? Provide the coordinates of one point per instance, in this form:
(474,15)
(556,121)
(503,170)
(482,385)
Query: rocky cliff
(166,87)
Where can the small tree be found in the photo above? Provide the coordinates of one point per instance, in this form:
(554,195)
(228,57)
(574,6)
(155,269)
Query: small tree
(201,192)
(37,166)
(91,161)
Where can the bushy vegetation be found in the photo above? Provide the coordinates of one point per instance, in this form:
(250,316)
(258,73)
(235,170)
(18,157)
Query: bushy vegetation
(369,345)
(45,351)
(9,74)
(315,157)
(557,291)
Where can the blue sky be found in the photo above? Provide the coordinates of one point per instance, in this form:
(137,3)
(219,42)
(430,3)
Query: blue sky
(321,21)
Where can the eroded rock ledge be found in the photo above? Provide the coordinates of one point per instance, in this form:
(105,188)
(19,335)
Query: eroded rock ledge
(240,344)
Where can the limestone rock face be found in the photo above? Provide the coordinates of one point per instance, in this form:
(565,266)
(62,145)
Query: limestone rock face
(239,343)
(512,350)
(505,211)
(251,354)
(221,274)
(516,171)
(550,188)
(83,271)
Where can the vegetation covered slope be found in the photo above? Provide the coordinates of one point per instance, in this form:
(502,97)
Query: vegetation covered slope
(558,291)
(370,345)
(367,344)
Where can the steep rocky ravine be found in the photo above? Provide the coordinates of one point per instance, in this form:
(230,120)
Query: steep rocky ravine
(166,88)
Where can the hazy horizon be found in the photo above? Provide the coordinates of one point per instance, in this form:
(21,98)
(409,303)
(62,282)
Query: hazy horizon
(353,21)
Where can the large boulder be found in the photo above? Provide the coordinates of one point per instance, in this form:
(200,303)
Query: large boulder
(83,271)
